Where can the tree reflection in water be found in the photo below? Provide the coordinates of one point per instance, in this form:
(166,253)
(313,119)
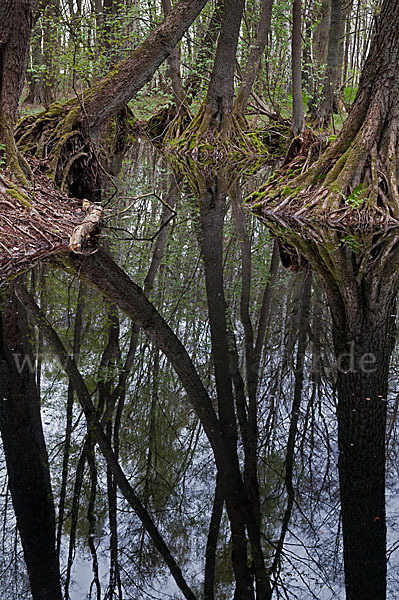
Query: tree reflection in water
(225,394)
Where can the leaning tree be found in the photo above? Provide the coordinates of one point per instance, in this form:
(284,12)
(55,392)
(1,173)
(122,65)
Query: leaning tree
(357,176)
(68,134)
(33,225)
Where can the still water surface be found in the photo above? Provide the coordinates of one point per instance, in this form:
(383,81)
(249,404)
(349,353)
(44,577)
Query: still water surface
(291,332)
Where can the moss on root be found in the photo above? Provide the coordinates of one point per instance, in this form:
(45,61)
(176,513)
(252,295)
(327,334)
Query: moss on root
(347,188)
(20,197)
(13,162)
(206,141)
(61,138)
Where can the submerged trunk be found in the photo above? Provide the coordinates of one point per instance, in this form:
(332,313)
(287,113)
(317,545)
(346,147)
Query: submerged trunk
(26,454)
(101,270)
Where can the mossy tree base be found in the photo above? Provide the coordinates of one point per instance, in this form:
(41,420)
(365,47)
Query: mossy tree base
(357,185)
(355,180)
(168,125)
(9,154)
(210,138)
(59,138)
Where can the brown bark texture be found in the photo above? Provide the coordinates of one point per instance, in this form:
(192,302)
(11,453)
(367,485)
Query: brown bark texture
(298,115)
(254,59)
(16,20)
(361,289)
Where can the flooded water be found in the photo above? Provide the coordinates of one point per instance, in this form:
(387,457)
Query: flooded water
(253,410)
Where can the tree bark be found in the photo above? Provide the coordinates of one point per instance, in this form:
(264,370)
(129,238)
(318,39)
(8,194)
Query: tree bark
(112,93)
(16,20)
(364,337)
(254,59)
(298,116)
(330,82)
(362,299)
(206,52)
(174,66)
(356,178)
(219,100)
(319,50)
(73,128)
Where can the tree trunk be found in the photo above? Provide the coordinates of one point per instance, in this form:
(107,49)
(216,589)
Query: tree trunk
(362,402)
(362,298)
(112,93)
(330,82)
(70,130)
(35,92)
(206,52)
(96,430)
(174,66)
(115,284)
(16,20)
(212,217)
(26,454)
(254,59)
(319,51)
(212,541)
(363,311)
(298,117)
(218,108)
(50,47)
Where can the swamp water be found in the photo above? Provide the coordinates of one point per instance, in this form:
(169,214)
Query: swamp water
(290,331)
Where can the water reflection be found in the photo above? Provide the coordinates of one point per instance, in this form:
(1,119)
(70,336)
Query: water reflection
(248,406)
(359,271)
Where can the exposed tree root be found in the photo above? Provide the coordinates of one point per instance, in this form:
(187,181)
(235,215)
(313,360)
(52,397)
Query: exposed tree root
(59,139)
(36,221)
(354,181)
(168,125)
(206,142)
(197,173)
(337,253)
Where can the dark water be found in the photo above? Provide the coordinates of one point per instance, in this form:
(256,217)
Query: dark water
(292,326)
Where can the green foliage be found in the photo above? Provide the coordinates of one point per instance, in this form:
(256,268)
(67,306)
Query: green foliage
(355,199)
(3,157)
(353,242)
(146,104)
